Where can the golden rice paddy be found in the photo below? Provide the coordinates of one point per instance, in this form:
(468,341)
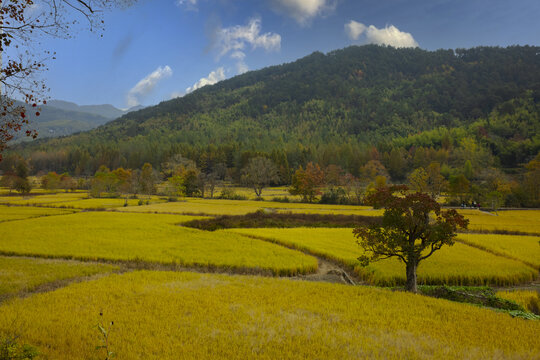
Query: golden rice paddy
(170,315)
(25,274)
(150,238)
(9,213)
(523,248)
(456,265)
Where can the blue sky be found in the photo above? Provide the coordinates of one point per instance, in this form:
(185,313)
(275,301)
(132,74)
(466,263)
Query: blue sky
(158,49)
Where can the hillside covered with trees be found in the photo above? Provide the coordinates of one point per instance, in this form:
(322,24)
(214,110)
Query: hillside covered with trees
(371,110)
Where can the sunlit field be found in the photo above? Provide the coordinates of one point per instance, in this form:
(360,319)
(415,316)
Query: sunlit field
(522,248)
(146,238)
(457,265)
(268,193)
(186,315)
(25,274)
(43,198)
(77,200)
(241,207)
(527,221)
(8,213)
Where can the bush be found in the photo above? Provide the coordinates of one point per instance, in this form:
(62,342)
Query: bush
(284,199)
(334,196)
(11,349)
(230,194)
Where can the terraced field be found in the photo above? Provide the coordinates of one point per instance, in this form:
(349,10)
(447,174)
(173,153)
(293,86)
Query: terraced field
(187,315)
(191,315)
(146,238)
(19,274)
(523,248)
(241,207)
(457,265)
(526,221)
(9,213)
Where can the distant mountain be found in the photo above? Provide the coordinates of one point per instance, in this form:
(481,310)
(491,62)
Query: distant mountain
(106,110)
(332,108)
(62,118)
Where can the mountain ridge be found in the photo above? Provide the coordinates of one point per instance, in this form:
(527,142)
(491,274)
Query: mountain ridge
(324,105)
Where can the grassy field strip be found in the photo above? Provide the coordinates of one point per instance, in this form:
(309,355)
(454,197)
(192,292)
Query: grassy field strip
(11,213)
(170,315)
(529,299)
(126,237)
(522,248)
(43,198)
(527,221)
(19,274)
(241,207)
(457,265)
(77,200)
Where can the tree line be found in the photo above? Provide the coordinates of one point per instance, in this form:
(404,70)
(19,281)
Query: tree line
(179,176)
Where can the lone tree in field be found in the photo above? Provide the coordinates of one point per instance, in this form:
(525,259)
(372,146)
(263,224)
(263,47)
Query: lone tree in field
(412,229)
(259,173)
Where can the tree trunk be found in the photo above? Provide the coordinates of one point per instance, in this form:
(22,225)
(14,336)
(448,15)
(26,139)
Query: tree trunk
(411,277)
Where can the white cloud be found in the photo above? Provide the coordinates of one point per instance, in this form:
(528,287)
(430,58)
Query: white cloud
(147,84)
(177,94)
(303,10)
(213,78)
(390,35)
(235,39)
(188,4)
(354,29)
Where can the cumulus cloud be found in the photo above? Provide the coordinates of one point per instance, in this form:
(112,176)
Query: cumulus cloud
(303,10)
(147,84)
(390,35)
(236,38)
(213,78)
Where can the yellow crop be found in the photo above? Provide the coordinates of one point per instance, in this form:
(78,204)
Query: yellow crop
(458,265)
(529,299)
(77,200)
(148,238)
(25,274)
(166,315)
(8,213)
(241,207)
(523,248)
(42,199)
(527,221)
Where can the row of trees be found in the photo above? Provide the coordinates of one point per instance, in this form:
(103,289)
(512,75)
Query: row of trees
(180,176)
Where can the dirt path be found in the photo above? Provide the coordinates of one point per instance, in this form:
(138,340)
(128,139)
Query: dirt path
(330,272)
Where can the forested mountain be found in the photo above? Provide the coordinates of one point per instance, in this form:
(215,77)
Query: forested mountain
(345,107)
